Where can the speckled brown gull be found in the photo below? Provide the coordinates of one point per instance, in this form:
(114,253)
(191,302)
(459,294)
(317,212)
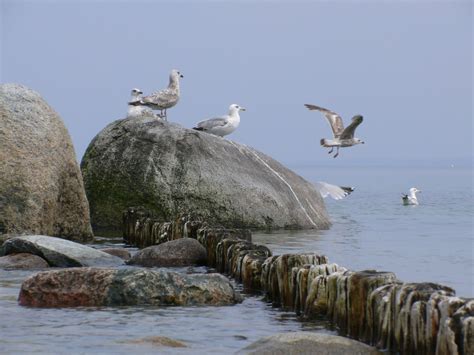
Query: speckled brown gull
(166,98)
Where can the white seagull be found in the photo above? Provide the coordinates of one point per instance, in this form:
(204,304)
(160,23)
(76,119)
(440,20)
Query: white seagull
(336,192)
(166,98)
(411,198)
(343,137)
(224,125)
(138,110)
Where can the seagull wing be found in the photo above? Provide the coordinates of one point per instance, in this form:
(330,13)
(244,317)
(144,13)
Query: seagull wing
(160,98)
(335,121)
(348,133)
(336,192)
(211,123)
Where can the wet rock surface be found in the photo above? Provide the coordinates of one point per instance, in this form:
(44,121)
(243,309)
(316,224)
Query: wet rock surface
(173,171)
(179,252)
(308,343)
(22,261)
(41,187)
(82,287)
(59,252)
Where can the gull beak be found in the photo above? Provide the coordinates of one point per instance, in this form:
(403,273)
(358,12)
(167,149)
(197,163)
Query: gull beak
(243,109)
(363,142)
(181,75)
(140,92)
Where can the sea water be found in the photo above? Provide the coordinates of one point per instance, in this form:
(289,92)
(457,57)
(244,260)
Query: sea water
(371,230)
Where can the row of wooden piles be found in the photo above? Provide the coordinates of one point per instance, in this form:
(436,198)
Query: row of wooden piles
(371,306)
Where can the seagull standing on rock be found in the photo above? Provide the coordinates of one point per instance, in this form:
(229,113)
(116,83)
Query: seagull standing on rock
(138,110)
(343,137)
(224,125)
(411,198)
(163,99)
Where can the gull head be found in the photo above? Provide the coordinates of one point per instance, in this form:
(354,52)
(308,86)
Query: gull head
(176,74)
(414,190)
(234,108)
(136,91)
(358,141)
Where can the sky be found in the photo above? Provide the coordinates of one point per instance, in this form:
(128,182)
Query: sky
(406,66)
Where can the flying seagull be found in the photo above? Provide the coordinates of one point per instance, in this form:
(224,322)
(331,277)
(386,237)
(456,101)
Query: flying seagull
(336,192)
(163,99)
(343,137)
(411,198)
(224,125)
(138,110)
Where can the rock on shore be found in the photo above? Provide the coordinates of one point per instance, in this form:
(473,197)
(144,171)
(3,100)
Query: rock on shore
(81,287)
(59,252)
(41,188)
(174,171)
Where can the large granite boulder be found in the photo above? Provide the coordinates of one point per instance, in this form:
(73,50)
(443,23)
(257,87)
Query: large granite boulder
(80,287)
(60,252)
(308,343)
(179,252)
(41,188)
(175,171)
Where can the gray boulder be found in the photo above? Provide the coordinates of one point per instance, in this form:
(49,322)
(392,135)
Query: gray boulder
(80,287)
(174,171)
(308,343)
(60,252)
(179,252)
(41,187)
(22,261)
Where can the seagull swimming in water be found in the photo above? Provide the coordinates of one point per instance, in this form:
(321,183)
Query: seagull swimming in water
(336,192)
(138,110)
(224,125)
(411,198)
(163,99)
(343,137)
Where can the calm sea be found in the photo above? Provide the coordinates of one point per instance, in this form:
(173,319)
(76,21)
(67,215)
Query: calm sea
(371,230)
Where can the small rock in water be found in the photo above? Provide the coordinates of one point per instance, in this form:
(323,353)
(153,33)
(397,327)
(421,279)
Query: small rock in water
(180,252)
(95,287)
(60,252)
(22,261)
(159,341)
(308,343)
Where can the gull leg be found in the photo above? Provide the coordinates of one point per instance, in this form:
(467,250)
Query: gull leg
(337,153)
(332,148)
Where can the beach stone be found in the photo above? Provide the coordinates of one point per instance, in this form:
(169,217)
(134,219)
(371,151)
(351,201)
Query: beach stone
(41,187)
(308,343)
(60,252)
(179,252)
(79,287)
(120,252)
(174,171)
(158,341)
(22,261)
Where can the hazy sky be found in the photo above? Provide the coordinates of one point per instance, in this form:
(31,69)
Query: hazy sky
(406,66)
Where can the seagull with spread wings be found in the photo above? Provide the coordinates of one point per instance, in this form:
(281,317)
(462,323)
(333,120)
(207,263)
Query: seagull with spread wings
(343,137)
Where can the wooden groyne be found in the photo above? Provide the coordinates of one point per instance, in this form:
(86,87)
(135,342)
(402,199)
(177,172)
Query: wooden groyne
(371,306)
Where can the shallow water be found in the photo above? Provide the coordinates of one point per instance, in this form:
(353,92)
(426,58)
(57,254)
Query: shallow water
(371,229)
